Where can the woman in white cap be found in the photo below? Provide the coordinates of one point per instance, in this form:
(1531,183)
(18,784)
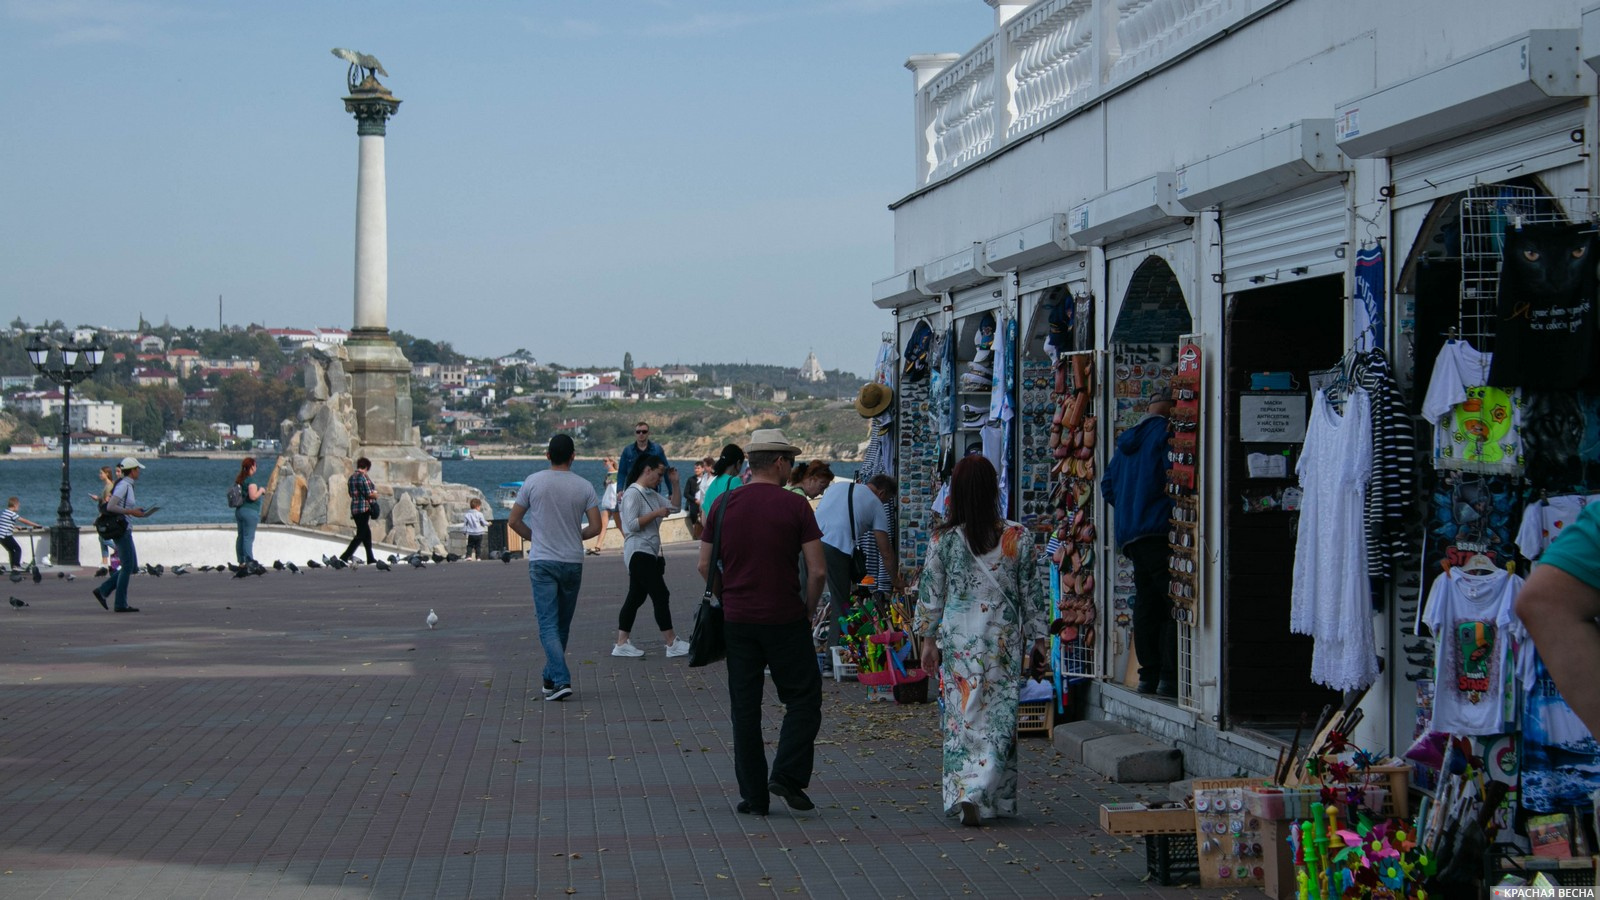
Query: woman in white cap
(121,502)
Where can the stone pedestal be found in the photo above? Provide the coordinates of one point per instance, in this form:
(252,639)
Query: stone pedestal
(380,389)
(348,391)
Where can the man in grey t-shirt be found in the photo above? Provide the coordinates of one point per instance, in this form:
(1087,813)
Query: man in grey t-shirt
(547,513)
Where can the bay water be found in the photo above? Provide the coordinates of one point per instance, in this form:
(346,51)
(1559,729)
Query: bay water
(194,491)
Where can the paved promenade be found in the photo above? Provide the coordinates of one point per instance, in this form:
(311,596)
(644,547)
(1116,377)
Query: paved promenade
(308,736)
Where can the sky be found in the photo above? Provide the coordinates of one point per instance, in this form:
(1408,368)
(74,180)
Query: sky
(682,180)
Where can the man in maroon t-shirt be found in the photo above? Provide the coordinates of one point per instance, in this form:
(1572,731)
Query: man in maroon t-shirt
(767,621)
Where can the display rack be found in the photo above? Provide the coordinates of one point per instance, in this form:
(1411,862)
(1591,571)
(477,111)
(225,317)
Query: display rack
(919,459)
(1071,447)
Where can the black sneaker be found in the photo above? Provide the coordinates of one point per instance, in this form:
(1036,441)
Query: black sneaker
(101,597)
(746,808)
(549,688)
(795,797)
(561,692)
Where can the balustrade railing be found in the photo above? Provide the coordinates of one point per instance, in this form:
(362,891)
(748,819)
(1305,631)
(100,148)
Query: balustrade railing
(1052,59)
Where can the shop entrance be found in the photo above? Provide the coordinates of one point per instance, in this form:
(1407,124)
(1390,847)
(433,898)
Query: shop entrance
(1275,336)
(1144,348)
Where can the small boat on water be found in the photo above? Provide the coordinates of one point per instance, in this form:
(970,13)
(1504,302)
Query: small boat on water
(451,451)
(505,494)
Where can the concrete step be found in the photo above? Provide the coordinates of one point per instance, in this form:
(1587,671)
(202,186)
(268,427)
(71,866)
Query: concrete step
(1072,736)
(1118,752)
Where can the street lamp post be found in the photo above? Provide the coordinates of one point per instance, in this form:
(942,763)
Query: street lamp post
(65,365)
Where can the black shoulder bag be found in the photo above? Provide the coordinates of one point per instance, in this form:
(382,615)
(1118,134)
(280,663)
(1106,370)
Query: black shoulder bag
(858,556)
(708,644)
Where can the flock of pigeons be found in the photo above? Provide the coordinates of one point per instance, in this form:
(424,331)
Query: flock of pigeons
(417,560)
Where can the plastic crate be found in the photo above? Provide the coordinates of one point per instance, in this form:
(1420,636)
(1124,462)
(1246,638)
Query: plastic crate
(842,669)
(1036,719)
(1173,858)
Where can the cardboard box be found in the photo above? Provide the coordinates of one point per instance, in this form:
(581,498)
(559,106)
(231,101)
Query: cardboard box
(1143,818)
(1277,860)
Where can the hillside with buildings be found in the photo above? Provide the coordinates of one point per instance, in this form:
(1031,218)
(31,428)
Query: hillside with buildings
(162,388)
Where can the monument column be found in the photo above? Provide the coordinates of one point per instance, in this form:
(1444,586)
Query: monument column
(380,375)
(372,110)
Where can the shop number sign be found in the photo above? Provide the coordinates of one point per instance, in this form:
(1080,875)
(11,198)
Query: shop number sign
(1272,418)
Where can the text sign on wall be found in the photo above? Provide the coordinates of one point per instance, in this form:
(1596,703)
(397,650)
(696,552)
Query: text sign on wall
(1272,418)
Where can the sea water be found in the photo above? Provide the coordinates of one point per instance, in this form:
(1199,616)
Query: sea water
(195,491)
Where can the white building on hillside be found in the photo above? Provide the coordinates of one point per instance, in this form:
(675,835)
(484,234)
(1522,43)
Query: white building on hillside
(811,370)
(572,382)
(96,415)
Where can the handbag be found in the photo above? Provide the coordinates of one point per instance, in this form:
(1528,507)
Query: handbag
(858,556)
(110,526)
(708,644)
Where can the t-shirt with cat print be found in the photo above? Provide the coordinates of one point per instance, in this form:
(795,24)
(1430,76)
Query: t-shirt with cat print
(1544,316)
(1477,428)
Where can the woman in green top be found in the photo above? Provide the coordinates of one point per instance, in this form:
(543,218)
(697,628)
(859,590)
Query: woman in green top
(248,514)
(726,470)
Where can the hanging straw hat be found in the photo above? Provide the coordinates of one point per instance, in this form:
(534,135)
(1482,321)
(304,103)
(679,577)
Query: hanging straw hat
(874,398)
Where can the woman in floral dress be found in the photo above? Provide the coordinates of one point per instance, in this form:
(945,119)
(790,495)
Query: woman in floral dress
(979,601)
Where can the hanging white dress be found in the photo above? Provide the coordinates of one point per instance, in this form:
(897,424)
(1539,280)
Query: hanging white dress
(1331,598)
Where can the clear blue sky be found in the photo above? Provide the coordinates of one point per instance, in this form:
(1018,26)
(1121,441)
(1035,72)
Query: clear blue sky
(683,179)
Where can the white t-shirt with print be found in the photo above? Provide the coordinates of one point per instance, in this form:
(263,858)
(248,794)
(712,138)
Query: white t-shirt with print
(1469,616)
(1477,428)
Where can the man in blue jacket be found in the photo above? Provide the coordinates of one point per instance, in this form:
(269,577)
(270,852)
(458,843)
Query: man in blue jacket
(641,446)
(1136,484)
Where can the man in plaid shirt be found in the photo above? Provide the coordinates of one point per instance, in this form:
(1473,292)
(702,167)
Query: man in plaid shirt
(362,495)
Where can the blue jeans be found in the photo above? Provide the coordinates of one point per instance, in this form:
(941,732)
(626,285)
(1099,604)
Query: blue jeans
(244,546)
(118,582)
(555,599)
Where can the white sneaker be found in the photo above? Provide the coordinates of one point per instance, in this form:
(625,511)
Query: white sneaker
(679,647)
(627,649)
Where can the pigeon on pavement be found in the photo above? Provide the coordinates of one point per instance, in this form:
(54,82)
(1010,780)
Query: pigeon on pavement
(452,557)
(278,564)
(16,576)
(21,603)
(432,618)
(294,568)
(382,566)
(313,564)
(337,563)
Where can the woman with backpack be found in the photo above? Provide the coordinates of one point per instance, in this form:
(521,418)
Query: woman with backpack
(245,498)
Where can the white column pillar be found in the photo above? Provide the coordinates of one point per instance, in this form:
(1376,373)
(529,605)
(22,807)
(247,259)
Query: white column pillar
(372,237)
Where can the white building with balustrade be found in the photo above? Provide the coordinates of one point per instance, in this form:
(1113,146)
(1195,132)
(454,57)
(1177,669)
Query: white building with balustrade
(1228,196)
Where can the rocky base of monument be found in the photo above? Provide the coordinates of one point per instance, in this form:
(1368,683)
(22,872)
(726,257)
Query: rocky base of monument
(320,449)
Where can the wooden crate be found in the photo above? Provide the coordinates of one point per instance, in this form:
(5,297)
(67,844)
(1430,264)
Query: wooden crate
(1036,719)
(1141,818)
(1398,780)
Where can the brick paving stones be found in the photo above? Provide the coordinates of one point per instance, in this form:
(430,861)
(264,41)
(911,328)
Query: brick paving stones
(308,736)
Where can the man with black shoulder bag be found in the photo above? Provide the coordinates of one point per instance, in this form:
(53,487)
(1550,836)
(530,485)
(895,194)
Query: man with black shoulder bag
(760,532)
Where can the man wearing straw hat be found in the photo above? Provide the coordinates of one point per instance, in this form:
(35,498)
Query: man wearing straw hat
(767,621)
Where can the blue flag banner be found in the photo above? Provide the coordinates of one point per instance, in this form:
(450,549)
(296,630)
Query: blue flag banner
(1369,298)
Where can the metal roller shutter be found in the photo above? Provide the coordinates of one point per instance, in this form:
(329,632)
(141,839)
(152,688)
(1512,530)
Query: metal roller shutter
(1499,153)
(1268,239)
